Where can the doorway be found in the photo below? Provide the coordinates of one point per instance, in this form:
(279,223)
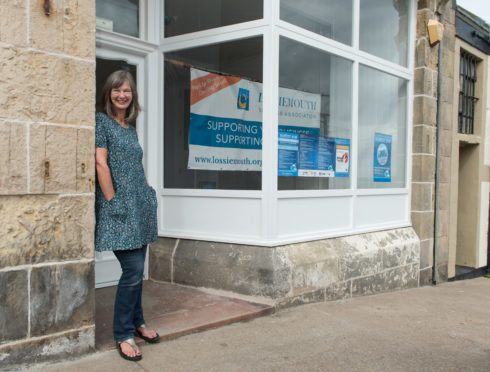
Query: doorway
(107,268)
(468,209)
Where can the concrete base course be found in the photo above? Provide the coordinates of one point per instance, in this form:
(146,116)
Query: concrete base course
(329,269)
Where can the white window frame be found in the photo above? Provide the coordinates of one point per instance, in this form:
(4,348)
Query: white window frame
(269,217)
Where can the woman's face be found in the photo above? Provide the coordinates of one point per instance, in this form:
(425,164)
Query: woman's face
(121,97)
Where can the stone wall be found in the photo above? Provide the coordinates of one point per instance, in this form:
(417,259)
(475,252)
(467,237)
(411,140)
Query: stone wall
(47,83)
(323,270)
(424,136)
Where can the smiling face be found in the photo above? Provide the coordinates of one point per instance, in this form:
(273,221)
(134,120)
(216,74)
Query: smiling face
(121,97)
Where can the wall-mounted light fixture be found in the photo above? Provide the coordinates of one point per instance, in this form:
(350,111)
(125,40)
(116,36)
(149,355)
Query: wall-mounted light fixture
(435,30)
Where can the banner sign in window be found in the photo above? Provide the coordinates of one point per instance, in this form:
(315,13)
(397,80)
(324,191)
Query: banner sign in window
(382,158)
(225,131)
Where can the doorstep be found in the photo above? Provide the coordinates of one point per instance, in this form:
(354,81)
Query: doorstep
(175,310)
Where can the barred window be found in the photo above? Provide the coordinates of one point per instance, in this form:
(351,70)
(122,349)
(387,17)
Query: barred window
(467,99)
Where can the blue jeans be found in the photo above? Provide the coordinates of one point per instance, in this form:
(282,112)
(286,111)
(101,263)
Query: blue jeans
(128,312)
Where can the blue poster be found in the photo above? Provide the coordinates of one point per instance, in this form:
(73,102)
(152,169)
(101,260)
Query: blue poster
(287,159)
(382,158)
(308,150)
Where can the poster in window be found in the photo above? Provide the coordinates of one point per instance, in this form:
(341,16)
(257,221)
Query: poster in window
(382,158)
(225,131)
(342,157)
(287,158)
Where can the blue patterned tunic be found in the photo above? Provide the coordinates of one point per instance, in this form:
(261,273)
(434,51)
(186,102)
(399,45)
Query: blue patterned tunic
(129,219)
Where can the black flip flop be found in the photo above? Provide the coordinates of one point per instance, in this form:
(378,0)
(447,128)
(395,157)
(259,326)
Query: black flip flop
(151,340)
(131,342)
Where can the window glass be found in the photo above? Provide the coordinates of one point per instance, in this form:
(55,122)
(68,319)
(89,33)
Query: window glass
(330,18)
(383,29)
(315,100)
(213,116)
(182,17)
(382,129)
(120,16)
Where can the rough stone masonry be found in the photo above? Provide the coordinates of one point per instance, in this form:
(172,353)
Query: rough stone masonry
(47,93)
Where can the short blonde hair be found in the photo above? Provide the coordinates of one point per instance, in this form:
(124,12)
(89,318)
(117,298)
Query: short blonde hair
(115,80)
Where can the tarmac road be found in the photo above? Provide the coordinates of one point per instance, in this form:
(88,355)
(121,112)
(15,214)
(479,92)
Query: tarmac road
(438,328)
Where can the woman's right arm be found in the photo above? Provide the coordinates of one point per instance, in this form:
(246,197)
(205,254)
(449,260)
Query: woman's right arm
(104,173)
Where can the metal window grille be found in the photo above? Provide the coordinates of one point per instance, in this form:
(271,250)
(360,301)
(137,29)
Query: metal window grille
(467,99)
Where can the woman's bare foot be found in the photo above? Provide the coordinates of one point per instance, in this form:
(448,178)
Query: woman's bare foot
(128,350)
(147,334)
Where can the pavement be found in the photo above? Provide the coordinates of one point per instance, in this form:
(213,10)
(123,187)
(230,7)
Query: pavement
(434,328)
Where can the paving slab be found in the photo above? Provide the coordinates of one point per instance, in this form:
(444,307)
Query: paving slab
(175,310)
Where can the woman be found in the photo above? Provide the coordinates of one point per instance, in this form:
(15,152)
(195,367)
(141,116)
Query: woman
(125,206)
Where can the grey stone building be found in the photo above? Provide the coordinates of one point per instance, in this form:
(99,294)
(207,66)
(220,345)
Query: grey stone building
(351,191)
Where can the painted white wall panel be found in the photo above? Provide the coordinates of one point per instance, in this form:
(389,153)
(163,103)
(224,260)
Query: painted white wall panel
(372,210)
(304,216)
(212,217)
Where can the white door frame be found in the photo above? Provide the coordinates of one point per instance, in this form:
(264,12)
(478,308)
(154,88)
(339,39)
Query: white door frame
(107,268)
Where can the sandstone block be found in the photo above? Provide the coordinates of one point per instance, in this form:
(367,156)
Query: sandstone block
(447,61)
(444,196)
(425,55)
(423,81)
(425,277)
(447,121)
(423,141)
(442,253)
(68,345)
(401,278)
(442,224)
(427,4)
(160,259)
(423,224)
(13,22)
(423,17)
(37,229)
(62,298)
(85,160)
(447,89)
(444,169)
(398,247)
(53,160)
(426,253)
(442,272)
(314,265)
(445,142)
(423,168)
(245,269)
(359,261)
(69,29)
(43,87)
(422,197)
(424,110)
(397,278)
(13,163)
(13,305)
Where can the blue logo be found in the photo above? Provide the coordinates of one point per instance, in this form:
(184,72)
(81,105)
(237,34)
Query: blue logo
(243,99)
(382,154)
